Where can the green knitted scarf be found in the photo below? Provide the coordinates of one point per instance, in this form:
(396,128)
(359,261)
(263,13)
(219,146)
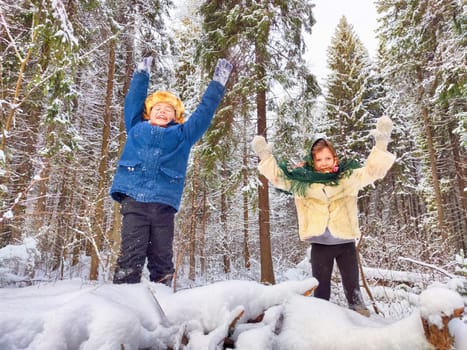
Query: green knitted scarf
(302,177)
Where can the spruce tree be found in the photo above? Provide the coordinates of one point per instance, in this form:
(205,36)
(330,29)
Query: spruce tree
(349,94)
(264,40)
(423,46)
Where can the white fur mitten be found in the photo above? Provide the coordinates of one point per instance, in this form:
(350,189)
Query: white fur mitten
(222,71)
(382,133)
(262,149)
(145,65)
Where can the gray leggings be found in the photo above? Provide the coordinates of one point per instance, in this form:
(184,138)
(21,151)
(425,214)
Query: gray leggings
(322,263)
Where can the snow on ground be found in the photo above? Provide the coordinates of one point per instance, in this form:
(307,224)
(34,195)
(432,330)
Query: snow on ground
(73,314)
(77,314)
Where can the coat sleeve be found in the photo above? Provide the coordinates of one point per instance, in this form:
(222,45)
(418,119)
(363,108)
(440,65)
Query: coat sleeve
(134,100)
(200,119)
(269,168)
(376,167)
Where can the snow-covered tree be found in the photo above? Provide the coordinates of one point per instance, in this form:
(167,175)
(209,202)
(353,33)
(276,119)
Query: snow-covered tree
(349,94)
(264,41)
(39,55)
(423,60)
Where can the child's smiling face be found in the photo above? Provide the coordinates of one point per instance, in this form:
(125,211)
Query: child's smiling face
(161,114)
(324,160)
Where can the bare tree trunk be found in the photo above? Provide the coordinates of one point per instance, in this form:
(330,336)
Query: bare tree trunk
(460,162)
(246,212)
(193,218)
(434,171)
(61,227)
(202,235)
(117,218)
(428,126)
(267,271)
(39,217)
(225,245)
(99,221)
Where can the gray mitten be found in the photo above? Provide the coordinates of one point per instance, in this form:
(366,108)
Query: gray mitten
(262,149)
(145,65)
(222,71)
(382,133)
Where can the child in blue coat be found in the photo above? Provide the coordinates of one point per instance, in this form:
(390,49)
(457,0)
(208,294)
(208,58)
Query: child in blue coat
(151,172)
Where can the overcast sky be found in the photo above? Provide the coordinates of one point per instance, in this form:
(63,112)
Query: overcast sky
(361,14)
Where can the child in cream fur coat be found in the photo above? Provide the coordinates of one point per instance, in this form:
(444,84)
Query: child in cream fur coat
(326,192)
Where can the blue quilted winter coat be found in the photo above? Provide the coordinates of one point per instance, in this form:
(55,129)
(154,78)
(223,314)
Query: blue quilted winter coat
(154,161)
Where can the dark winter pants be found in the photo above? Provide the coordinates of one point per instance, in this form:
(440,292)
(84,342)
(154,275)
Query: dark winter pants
(147,231)
(322,262)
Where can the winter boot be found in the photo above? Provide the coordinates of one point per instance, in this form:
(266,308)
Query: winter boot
(167,280)
(361,309)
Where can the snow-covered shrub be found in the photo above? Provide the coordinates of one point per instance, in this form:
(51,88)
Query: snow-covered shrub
(17,262)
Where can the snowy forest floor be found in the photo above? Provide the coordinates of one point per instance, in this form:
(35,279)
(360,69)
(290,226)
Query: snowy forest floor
(227,313)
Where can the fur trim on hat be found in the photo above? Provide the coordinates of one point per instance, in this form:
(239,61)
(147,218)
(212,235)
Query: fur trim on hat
(167,97)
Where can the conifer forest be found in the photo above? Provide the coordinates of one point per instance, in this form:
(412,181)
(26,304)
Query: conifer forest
(65,67)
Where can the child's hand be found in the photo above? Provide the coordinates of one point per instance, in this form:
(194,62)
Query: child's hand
(382,133)
(145,65)
(385,125)
(222,71)
(261,147)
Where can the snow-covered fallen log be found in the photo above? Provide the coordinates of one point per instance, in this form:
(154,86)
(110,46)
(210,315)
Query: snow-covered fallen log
(225,315)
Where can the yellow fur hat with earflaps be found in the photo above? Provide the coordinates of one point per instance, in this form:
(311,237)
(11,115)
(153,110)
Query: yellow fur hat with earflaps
(167,97)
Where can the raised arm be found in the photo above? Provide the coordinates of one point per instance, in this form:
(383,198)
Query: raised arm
(268,164)
(201,118)
(380,160)
(134,100)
